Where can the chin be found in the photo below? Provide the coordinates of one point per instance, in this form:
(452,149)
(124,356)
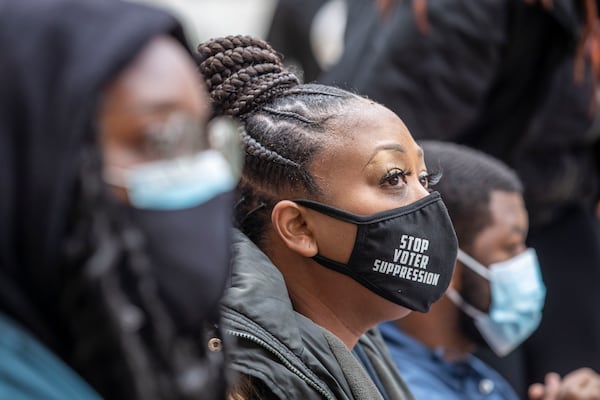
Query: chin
(392,311)
(402,312)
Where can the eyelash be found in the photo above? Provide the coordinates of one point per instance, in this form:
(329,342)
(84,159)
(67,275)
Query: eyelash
(394,173)
(431,179)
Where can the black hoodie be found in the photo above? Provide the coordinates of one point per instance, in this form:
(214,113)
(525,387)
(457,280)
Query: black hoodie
(55,58)
(493,75)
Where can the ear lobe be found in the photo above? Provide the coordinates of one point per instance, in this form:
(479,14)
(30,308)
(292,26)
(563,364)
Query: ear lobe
(289,221)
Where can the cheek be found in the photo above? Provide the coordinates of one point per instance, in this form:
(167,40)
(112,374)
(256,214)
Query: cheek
(335,239)
(401,312)
(487,247)
(476,291)
(486,296)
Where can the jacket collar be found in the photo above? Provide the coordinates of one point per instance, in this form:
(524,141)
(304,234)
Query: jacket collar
(258,291)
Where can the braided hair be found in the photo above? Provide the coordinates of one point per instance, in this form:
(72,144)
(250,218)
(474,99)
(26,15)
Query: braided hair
(284,123)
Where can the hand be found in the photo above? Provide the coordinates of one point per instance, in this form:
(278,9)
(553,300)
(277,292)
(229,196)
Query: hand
(581,384)
(548,390)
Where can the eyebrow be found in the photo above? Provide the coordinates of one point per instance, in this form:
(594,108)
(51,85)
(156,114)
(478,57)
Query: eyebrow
(393,147)
(147,108)
(158,106)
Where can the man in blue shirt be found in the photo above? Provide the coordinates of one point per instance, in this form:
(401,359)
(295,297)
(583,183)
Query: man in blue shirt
(495,298)
(431,376)
(433,351)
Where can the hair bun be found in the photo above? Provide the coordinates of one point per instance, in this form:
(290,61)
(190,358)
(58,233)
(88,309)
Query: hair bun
(242,73)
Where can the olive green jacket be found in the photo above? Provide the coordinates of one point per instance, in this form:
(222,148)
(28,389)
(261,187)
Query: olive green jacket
(288,353)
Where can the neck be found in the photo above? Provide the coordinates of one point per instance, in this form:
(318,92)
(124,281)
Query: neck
(326,313)
(345,308)
(330,299)
(439,328)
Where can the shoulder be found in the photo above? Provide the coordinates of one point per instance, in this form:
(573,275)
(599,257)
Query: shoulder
(29,370)
(425,373)
(277,357)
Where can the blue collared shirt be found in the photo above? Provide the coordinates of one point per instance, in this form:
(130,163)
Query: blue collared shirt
(430,377)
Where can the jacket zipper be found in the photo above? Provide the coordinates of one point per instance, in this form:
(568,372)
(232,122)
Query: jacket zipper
(281,357)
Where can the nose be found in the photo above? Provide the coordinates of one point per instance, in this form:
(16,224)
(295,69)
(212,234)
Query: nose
(418,191)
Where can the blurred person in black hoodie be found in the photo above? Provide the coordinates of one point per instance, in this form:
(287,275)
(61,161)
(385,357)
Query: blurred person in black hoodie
(514,78)
(290,33)
(114,206)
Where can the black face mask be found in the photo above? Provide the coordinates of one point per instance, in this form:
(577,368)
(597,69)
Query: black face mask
(189,250)
(405,255)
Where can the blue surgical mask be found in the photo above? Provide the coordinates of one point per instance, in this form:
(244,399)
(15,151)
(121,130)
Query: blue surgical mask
(517,294)
(177,183)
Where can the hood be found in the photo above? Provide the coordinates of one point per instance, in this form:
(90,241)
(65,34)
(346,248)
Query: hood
(56,56)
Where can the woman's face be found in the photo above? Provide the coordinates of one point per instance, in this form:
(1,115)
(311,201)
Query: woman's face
(372,164)
(158,87)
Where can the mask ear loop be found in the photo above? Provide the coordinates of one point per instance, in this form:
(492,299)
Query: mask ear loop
(473,264)
(115,176)
(457,299)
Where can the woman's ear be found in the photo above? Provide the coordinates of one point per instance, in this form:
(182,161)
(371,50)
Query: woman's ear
(290,223)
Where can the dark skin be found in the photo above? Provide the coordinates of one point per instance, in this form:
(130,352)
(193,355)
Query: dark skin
(160,82)
(371,164)
(581,384)
(502,239)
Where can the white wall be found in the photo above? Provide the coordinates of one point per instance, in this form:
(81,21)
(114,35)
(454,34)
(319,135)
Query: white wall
(205,19)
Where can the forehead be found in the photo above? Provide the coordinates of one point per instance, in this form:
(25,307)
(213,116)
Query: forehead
(507,209)
(508,221)
(159,80)
(367,132)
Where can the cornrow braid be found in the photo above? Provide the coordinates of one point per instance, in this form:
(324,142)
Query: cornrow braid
(289,114)
(284,123)
(244,72)
(240,91)
(255,149)
(304,90)
(222,65)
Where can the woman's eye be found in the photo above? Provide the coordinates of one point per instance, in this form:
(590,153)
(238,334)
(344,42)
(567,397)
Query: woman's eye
(394,177)
(429,179)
